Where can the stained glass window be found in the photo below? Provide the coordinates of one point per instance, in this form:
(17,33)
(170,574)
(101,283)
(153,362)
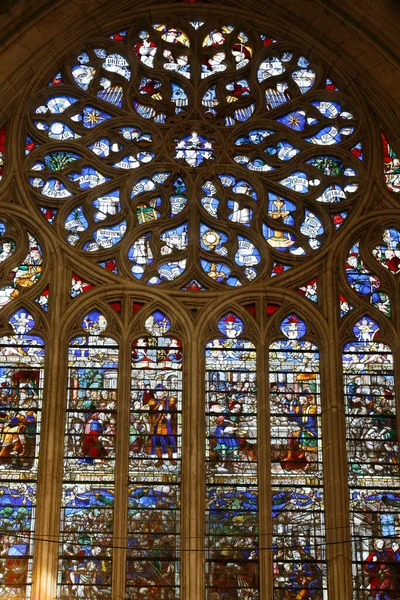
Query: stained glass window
(153,564)
(134,125)
(298,530)
(231,464)
(21,381)
(85,555)
(26,270)
(182,168)
(372,444)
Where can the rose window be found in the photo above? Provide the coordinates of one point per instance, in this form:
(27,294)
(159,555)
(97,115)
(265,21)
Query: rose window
(190,151)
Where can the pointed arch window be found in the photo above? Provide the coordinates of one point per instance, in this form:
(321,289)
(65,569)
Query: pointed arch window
(87,514)
(22,355)
(298,528)
(155,451)
(372,442)
(231,464)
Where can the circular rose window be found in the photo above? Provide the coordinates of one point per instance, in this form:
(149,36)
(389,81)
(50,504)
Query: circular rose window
(194,155)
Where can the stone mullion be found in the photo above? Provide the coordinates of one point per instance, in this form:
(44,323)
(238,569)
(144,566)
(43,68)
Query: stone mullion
(264,469)
(50,474)
(193,471)
(396,358)
(336,491)
(121,472)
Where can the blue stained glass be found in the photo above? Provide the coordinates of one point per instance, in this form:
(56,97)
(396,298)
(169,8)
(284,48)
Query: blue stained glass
(241,115)
(85,551)
(60,131)
(298,531)
(258,164)
(231,528)
(75,223)
(107,205)
(88,178)
(141,255)
(326,137)
(94,323)
(115,63)
(372,447)
(157,323)
(247,255)
(328,109)
(388,255)
(238,186)
(21,384)
(22,322)
(329,165)
(168,272)
(102,147)
(293,327)
(345,306)
(53,188)
(310,290)
(106,237)
(133,161)
(176,238)
(154,461)
(304,79)
(91,117)
(113,94)
(297,182)
(179,98)
(363,281)
(57,104)
(146,184)
(210,100)
(270,67)
(333,193)
(284,150)
(213,240)
(276,97)
(216,271)
(282,240)
(280,209)
(231,325)
(312,228)
(83,74)
(194,149)
(255,136)
(295,120)
(357,150)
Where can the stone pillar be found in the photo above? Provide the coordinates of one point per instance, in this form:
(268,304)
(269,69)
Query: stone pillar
(193,471)
(51,451)
(264,470)
(121,472)
(336,492)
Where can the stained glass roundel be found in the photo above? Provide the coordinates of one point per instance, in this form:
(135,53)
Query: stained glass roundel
(201,154)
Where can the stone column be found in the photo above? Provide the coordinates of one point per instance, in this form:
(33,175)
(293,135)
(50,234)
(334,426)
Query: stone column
(121,472)
(336,492)
(193,471)
(51,451)
(264,470)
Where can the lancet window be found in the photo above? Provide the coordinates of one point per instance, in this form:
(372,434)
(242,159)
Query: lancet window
(372,441)
(85,554)
(22,356)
